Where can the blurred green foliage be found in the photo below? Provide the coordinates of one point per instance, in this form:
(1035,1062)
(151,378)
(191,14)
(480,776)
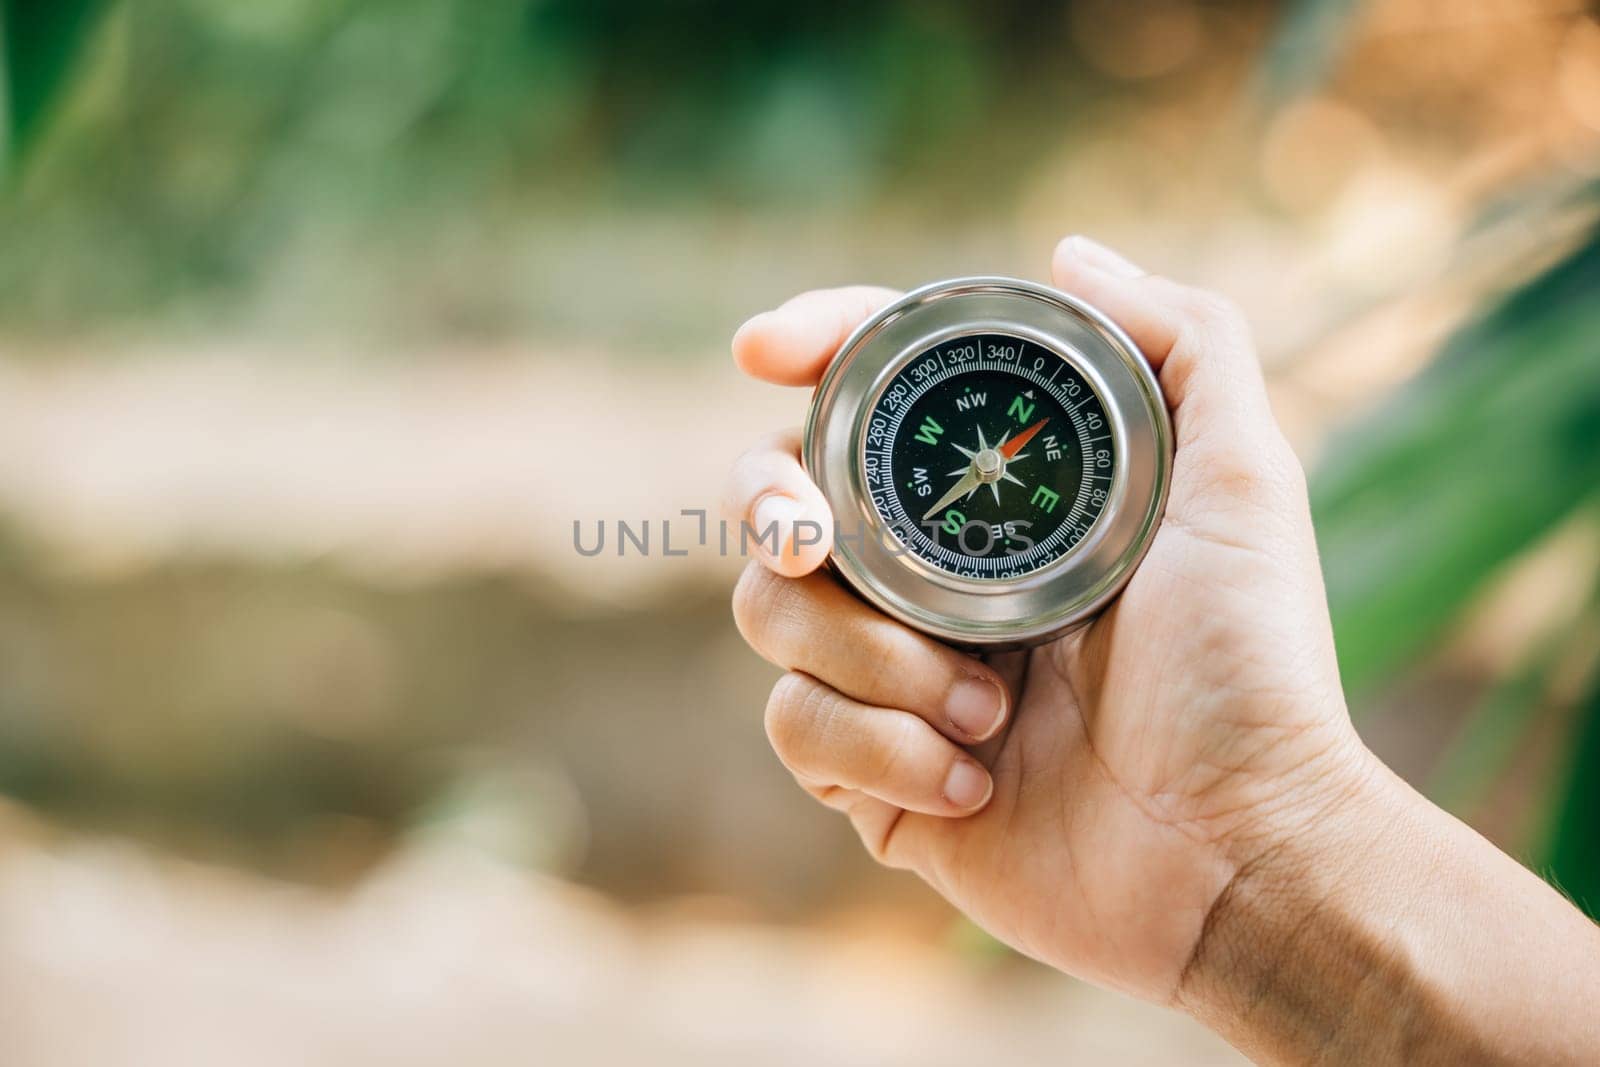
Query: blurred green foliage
(1483,454)
(1574,855)
(220,151)
(1487,453)
(40,41)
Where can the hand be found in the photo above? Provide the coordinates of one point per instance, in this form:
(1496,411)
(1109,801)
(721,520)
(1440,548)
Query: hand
(1086,802)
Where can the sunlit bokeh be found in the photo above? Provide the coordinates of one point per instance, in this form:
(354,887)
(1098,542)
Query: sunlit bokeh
(322,324)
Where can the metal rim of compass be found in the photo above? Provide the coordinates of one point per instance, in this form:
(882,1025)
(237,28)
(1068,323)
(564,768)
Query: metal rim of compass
(990,613)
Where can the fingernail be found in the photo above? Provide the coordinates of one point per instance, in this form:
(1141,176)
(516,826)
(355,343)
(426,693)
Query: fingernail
(968,785)
(1101,258)
(775,509)
(975,706)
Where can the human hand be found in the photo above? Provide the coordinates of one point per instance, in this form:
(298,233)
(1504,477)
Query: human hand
(1089,800)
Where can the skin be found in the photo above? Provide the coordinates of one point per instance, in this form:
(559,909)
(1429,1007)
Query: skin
(1172,800)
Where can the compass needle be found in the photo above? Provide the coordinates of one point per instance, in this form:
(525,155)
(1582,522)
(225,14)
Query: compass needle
(1011,449)
(961,489)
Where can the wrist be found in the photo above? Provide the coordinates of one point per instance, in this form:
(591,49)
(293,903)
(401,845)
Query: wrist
(1294,951)
(1369,926)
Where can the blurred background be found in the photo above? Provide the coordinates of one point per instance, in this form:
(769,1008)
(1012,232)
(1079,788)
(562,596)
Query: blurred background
(319,743)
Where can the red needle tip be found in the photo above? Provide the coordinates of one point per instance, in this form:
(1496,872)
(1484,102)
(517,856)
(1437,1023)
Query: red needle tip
(1013,446)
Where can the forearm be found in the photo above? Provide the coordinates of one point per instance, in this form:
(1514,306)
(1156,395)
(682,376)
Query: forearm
(1391,933)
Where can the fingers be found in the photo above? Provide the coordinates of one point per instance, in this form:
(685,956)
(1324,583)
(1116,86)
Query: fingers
(793,344)
(875,820)
(811,624)
(1197,341)
(1122,290)
(790,524)
(1201,348)
(782,515)
(826,737)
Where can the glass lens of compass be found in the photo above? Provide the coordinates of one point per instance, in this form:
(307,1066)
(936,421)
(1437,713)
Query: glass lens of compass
(989,456)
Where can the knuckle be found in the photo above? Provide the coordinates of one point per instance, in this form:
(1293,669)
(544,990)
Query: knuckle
(1241,470)
(1216,312)
(770,612)
(754,469)
(888,654)
(752,455)
(790,710)
(893,756)
(876,843)
(1215,332)
(751,599)
(877,838)
(736,486)
(1265,473)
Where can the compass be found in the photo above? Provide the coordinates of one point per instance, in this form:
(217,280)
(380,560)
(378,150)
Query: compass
(996,455)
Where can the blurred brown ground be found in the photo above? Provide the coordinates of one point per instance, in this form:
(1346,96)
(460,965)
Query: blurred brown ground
(444,956)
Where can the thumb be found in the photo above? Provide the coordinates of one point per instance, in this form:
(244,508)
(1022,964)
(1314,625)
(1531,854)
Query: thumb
(1230,449)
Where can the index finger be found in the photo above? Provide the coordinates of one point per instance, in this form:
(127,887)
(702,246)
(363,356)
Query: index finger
(794,343)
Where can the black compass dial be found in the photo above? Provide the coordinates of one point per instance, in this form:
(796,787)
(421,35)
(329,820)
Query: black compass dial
(989,456)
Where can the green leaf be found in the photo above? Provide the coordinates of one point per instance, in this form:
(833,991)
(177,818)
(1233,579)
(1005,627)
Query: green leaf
(38,41)
(1491,734)
(1304,48)
(1483,454)
(1574,864)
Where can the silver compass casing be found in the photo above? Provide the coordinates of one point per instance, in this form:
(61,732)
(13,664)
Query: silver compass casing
(990,613)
